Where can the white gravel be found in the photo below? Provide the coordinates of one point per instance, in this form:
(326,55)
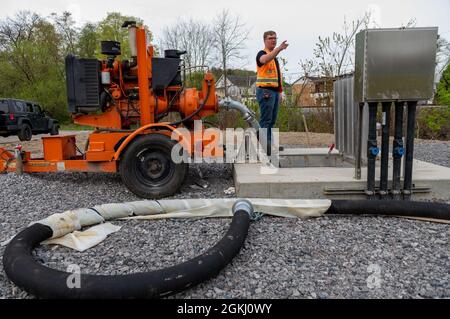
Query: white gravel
(330,257)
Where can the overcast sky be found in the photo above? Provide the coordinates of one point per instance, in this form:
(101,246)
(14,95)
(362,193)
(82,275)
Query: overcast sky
(299,22)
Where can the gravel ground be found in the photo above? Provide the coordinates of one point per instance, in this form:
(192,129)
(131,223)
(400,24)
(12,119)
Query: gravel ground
(436,152)
(329,257)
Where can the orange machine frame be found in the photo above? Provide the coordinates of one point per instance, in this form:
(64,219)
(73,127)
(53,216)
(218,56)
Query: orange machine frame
(60,152)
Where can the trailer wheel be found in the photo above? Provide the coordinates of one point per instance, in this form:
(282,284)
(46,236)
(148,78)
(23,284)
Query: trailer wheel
(54,130)
(25,132)
(147,168)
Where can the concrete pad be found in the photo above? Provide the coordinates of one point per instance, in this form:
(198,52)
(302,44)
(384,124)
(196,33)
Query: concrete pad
(311,157)
(326,182)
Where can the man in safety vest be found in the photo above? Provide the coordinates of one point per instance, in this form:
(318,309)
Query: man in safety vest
(268,83)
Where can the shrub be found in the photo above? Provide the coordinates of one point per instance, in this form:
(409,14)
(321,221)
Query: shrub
(434,123)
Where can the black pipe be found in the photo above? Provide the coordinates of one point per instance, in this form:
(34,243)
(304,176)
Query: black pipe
(45,282)
(386,122)
(390,208)
(410,134)
(359,142)
(398,150)
(372,149)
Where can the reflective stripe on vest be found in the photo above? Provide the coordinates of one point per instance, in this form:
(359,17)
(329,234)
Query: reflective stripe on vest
(267,74)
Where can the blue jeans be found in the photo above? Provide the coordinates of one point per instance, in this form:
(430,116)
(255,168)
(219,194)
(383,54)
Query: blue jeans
(268,106)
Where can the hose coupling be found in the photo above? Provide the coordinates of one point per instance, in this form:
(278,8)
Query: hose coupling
(245,205)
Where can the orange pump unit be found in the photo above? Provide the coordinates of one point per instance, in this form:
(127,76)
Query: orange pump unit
(140,91)
(126,101)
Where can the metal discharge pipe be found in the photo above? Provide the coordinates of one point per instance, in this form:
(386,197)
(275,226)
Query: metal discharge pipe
(359,141)
(410,133)
(397,150)
(386,122)
(248,115)
(372,149)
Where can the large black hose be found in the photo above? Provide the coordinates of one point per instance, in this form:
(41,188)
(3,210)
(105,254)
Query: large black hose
(45,282)
(390,208)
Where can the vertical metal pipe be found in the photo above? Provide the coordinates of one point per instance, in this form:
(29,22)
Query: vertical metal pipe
(397,149)
(410,134)
(147,111)
(372,149)
(359,142)
(386,122)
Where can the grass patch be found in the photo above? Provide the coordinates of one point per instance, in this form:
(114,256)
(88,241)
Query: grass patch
(75,127)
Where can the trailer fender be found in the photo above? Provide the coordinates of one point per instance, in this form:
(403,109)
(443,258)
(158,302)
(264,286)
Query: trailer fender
(165,129)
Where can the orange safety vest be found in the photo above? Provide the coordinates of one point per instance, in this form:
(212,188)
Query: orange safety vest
(267,74)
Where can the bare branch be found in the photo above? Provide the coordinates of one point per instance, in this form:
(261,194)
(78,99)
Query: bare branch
(230,34)
(193,36)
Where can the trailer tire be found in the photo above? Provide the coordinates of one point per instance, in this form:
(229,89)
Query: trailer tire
(54,130)
(147,168)
(25,133)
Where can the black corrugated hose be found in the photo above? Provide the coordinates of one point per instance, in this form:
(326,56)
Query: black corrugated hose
(45,282)
(390,208)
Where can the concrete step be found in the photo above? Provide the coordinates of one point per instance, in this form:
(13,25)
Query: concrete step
(251,180)
(311,157)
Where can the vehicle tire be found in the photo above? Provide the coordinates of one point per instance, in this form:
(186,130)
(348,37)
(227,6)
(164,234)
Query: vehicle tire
(147,168)
(54,130)
(25,132)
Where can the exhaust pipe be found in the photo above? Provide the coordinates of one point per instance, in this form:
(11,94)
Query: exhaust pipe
(132,28)
(132,37)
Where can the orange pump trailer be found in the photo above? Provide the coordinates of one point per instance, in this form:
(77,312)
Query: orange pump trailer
(107,147)
(60,152)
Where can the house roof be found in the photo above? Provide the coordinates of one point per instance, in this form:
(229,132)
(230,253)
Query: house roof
(321,78)
(240,81)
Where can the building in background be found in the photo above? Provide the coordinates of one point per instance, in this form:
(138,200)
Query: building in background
(310,92)
(238,87)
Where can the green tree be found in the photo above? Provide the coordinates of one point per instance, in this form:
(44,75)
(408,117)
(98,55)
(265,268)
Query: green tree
(89,41)
(67,32)
(110,28)
(31,66)
(443,88)
(218,72)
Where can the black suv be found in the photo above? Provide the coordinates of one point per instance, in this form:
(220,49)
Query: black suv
(24,118)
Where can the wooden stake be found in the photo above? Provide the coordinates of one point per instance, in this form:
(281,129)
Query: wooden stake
(306,129)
